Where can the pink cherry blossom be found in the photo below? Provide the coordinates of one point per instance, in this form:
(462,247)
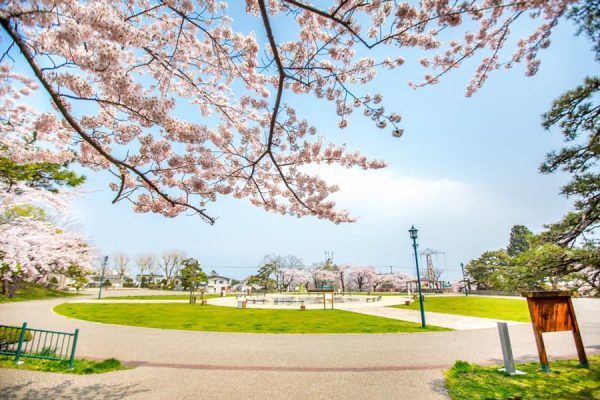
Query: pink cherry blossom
(182,108)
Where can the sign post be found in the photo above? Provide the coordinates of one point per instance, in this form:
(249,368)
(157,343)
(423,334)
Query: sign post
(327,297)
(552,311)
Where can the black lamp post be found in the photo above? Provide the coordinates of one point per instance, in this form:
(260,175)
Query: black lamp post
(104,262)
(413,235)
(462,267)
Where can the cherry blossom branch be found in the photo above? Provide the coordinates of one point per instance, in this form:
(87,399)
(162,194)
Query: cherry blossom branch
(80,131)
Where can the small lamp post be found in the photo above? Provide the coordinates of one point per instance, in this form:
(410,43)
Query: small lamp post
(102,275)
(462,267)
(413,235)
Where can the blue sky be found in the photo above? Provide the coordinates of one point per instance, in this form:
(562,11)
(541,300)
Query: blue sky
(464,172)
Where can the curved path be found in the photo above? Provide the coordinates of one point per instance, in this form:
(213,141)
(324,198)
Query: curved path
(188,364)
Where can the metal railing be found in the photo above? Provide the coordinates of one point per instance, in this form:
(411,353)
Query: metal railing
(38,343)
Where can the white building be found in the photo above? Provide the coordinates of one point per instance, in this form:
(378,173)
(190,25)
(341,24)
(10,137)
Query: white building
(218,284)
(149,279)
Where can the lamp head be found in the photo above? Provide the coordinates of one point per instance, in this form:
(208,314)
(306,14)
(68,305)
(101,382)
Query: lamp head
(413,232)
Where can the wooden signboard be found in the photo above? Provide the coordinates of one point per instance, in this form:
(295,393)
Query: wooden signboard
(327,297)
(552,311)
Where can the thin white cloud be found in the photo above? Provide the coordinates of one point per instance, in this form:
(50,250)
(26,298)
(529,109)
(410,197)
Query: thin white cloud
(381,193)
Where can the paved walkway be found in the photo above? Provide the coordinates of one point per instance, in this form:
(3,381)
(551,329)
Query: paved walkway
(458,322)
(187,364)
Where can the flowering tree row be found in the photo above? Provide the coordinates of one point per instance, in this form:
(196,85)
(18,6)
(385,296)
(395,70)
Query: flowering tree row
(288,273)
(182,105)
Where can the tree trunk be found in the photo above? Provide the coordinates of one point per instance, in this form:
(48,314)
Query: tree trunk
(13,287)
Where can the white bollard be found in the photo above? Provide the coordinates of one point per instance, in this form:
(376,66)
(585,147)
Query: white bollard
(509,361)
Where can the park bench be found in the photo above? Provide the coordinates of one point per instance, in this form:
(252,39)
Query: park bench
(254,301)
(278,300)
(369,299)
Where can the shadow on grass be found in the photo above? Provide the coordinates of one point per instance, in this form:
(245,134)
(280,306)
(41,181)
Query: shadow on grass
(439,387)
(67,390)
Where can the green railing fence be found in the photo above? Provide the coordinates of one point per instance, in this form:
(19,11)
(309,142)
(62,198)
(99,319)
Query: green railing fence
(38,343)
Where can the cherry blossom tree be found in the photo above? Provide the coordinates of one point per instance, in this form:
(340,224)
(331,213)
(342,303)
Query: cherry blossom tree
(379,279)
(287,269)
(290,277)
(31,246)
(342,272)
(323,275)
(118,75)
(400,281)
(363,276)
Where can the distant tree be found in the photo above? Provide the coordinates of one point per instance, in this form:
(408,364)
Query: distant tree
(363,276)
(265,275)
(191,275)
(490,270)
(121,265)
(146,264)
(377,280)
(265,282)
(289,277)
(323,275)
(342,272)
(170,263)
(519,240)
(282,267)
(79,276)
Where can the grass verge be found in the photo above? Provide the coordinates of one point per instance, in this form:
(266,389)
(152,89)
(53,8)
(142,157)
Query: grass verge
(484,307)
(29,291)
(566,380)
(80,366)
(228,319)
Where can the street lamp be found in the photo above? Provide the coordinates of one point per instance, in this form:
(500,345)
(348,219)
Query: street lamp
(462,267)
(102,275)
(413,235)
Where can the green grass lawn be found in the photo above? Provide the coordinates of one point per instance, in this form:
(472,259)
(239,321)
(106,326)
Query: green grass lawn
(228,319)
(29,291)
(378,293)
(80,366)
(485,307)
(566,380)
(163,297)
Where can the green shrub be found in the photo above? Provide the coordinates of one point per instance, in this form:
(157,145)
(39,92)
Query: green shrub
(12,335)
(47,352)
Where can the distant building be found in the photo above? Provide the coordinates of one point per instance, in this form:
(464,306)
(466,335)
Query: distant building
(112,277)
(149,279)
(245,287)
(218,284)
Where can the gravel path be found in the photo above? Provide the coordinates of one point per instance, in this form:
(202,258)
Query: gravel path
(185,364)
